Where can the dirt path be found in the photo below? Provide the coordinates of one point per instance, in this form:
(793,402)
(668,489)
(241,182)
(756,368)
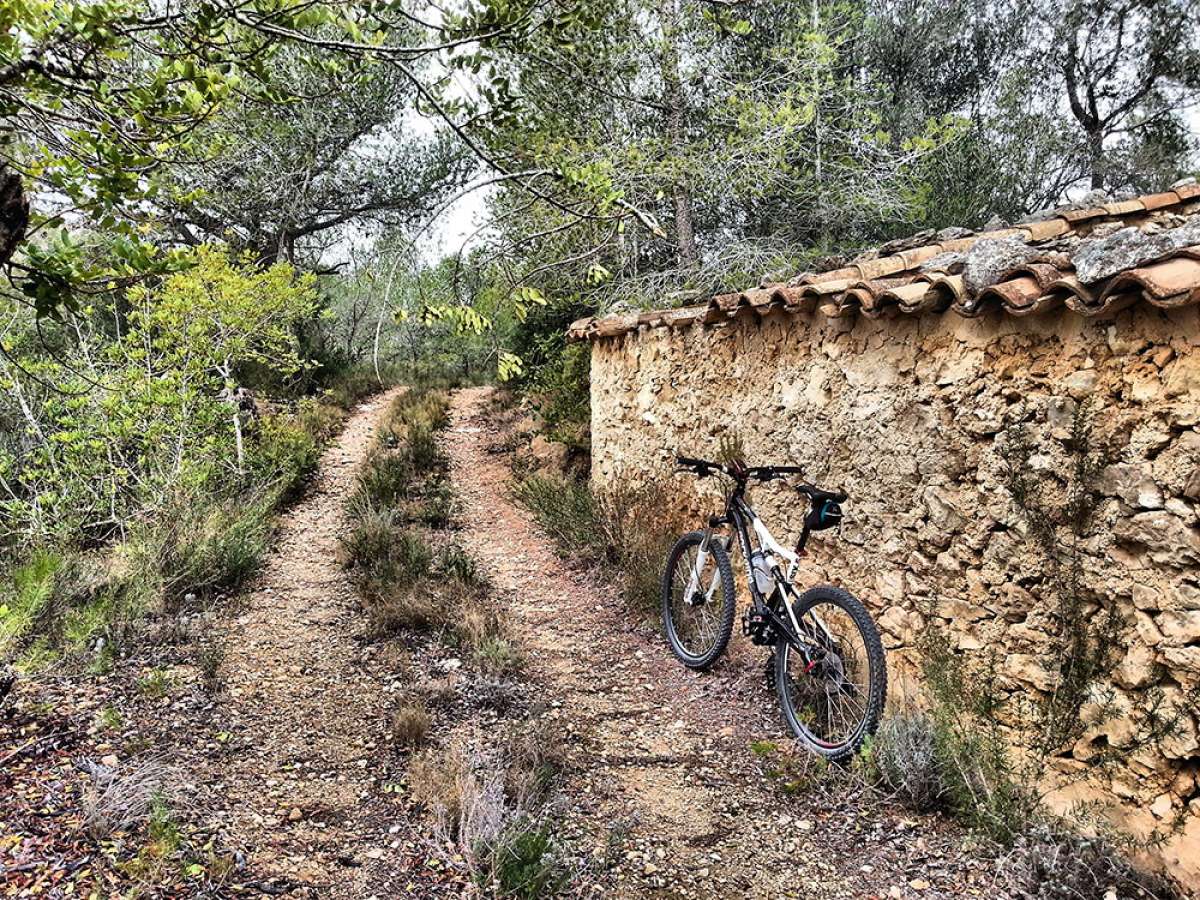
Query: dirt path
(297,766)
(665,787)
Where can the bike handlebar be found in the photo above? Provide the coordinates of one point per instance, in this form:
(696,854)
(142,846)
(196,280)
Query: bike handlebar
(741,473)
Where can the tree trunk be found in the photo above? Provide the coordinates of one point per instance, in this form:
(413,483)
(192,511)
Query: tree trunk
(674,101)
(14,212)
(1096,159)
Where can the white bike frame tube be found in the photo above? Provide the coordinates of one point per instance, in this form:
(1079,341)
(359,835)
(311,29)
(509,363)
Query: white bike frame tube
(767,541)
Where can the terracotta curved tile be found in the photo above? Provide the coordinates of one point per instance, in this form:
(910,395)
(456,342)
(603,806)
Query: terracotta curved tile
(1014,294)
(1072,286)
(1158,201)
(879,286)
(847,272)
(682,317)
(1021,232)
(859,297)
(820,288)
(1082,215)
(1043,303)
(916,256)
(880,268)
(904,294)
(1044,274)
(1107,306)
(611,326)
(581,324)
(650,317)
(1047,229)
(1124,207)
(1159,280)
(951,286)
(1056,258)
(932,298)
(755,297)
(960,245)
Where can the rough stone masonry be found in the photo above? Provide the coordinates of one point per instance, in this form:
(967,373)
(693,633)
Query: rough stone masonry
(911,414)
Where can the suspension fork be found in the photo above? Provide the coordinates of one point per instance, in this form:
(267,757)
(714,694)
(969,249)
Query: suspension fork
(693,586)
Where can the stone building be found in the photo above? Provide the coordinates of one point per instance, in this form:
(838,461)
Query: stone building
(901,377)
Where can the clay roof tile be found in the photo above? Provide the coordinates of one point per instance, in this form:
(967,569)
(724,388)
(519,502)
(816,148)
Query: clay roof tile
(1044,231)
(1158,201)
(1170,278)
(886,284)
(1124,207)
(1014,294)
(1074,216)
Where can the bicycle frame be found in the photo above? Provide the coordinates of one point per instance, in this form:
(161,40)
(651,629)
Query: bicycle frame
(743,519)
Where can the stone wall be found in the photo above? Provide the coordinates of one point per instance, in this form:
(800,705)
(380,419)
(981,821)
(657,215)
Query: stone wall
(909,414)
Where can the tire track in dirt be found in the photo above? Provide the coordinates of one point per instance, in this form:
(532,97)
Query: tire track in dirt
(663,788)
(298,773)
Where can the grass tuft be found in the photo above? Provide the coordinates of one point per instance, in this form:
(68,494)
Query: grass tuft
(628,531)
(410,724)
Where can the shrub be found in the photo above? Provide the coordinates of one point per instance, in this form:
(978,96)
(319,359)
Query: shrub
(410,724)
(523,862)
(435,780)
(395,608)
(437,507)
(497,655)
(204,543)
(59,601)
(29,592)
(371,536)
(384,480)
(537,753)
(455,562)
(113,801)
(566,510)
(905,755)
(283,451)
(351,386)
(1047,863)
(628,531)
(486,801)
(422,451)
(386,560)
(319,420)
(210,659)
(980,782)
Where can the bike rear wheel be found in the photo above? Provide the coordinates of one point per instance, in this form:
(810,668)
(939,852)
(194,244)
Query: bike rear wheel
(833,703)
(698,614)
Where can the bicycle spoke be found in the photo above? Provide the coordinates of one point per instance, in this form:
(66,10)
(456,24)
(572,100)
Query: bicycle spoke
(836,689)
(697,624)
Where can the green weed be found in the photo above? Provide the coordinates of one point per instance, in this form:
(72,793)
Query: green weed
(455,562)
(155,684)
(29,590)
(524,862)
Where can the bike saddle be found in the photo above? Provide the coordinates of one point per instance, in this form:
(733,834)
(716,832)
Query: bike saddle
(819,496)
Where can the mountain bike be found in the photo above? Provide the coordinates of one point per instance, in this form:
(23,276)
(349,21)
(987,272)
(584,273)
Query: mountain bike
(828,666)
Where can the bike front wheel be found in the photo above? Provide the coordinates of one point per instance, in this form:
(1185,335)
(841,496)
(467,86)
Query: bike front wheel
(832,702)
(698,600)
